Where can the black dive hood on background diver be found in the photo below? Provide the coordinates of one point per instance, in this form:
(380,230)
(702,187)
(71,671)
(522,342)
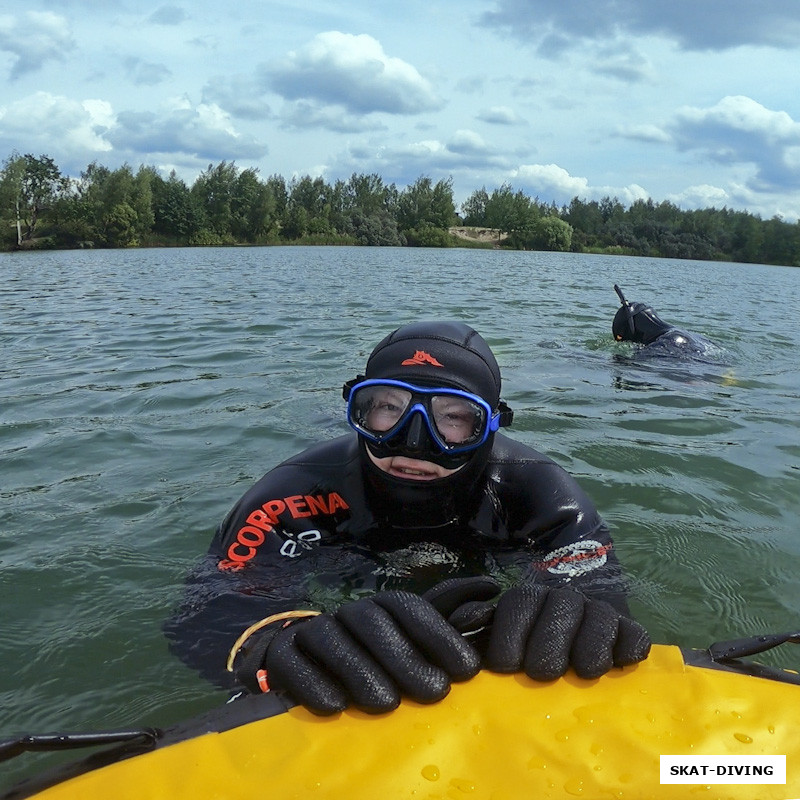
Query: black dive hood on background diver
(637,322)
(431,355)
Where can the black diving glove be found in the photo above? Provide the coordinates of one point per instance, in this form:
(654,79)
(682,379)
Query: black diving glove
(544,630)
(466,604)
(367,654)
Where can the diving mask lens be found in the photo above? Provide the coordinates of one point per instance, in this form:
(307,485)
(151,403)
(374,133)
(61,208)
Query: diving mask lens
(457,421)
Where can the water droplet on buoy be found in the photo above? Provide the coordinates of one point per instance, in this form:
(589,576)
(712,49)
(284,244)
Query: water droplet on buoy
(574,786)
(463,785)
(430,772)
(743,737)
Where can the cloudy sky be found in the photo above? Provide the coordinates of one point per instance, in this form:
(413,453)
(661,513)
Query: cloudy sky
(692,101)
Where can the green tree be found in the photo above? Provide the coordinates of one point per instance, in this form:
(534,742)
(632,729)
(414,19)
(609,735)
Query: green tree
(120,224)
(748,238)
(120,205)
(550,233)
(368,194)
(253,215)
(213,190)
(379,229)
(280,192)
(781,242)
(11,200)
(309,208)
(473,209)
(426,205)
(30,187)
(513,213)
(295,225)
(141,200)
(175,209)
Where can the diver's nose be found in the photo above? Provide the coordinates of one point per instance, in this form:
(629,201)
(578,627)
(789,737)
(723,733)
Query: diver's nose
(417,438)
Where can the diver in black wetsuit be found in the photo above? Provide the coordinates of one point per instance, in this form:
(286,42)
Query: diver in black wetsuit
(406,535)
(639,323)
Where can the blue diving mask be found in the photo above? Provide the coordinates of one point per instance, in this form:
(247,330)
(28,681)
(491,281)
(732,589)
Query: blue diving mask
(422,422)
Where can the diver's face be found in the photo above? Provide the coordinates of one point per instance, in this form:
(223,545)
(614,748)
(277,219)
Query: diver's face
(411,469)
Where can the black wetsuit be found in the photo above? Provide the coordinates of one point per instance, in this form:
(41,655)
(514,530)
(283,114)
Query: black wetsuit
(680,343)
(312,534)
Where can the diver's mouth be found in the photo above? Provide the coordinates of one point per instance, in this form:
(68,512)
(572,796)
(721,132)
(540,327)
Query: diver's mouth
(414,473)
(414,470)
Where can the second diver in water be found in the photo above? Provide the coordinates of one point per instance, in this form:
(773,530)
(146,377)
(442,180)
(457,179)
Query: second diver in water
(639,323)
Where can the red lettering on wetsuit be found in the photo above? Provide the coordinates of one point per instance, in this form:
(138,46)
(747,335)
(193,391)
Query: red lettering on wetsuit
(263,521)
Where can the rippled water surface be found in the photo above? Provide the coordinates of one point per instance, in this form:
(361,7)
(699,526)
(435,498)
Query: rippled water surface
(141,392)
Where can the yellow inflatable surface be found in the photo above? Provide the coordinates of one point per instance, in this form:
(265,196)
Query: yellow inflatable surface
(496,737)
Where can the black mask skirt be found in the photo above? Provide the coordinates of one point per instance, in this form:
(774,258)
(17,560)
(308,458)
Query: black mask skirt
(402,503)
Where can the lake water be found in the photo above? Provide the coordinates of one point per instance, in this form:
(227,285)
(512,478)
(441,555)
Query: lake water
(141,392)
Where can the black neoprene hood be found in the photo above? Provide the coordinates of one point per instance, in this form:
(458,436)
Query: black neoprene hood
(438,354)
(638,322)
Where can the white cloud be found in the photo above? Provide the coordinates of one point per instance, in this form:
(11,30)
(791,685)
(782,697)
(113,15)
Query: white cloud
(499,115)
(239,95)
(465,154)
(555,25)
(204,131)
(644,133)
(168,15)
(792,157)
(466,142)
(39,119)
(739,130)
(550,179)
(551,182)
(34,38)
(315,115)
(353,72)
(144,73)
(701,196)
(624,63)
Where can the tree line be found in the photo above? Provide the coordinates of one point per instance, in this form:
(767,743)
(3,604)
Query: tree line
(40,207)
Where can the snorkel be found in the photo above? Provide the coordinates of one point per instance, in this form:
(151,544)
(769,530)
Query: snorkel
(624,315)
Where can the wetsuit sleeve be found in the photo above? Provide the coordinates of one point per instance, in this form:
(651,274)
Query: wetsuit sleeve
(217,606)
(568,540)
(263,556)
(580,553)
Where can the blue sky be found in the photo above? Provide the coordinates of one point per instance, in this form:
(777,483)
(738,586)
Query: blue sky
(692,101)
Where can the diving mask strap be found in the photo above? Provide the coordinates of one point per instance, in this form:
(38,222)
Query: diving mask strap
(348,385)
(505,415)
